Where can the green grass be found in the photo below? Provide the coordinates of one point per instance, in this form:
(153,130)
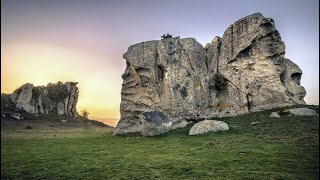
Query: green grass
(274,148)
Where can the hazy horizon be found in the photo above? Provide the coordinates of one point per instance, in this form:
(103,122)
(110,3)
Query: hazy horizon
(83,41)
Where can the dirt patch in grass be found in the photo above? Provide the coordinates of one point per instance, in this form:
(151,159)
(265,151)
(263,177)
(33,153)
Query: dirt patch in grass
(48,129)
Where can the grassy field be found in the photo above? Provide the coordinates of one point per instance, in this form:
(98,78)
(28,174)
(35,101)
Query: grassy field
(256,147)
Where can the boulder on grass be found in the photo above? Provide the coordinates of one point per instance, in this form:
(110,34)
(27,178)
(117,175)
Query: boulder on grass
(155,123)
(16,116)
(302,112)
(207,126)
(275,115)
(182,124)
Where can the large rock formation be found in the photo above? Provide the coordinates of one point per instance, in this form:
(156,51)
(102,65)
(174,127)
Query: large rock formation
(60,98)
(241,72)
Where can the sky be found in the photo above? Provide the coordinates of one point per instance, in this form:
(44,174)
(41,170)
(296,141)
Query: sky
(83,41)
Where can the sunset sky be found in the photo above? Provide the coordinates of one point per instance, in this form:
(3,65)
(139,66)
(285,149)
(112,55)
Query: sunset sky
(46,41)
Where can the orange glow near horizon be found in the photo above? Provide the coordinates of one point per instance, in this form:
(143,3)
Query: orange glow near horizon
(39,64)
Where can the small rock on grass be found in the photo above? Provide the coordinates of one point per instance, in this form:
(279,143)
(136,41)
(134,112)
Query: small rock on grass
(275,115)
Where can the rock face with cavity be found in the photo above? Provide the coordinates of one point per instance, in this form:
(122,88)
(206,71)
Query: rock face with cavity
(242,72)
(60,98)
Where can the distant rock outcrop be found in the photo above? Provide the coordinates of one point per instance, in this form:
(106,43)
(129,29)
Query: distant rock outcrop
(242,72)
(59,97)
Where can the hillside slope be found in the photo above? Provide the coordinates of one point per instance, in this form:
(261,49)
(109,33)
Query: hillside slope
(256,147)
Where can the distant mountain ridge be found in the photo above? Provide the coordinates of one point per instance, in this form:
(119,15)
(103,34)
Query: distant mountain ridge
(108,121)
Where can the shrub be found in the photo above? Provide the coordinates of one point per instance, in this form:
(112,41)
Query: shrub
(5,100)
(46,102)
(36,92)
(57,92)
(284,112)
(85,113)
(218,83)
(168,36)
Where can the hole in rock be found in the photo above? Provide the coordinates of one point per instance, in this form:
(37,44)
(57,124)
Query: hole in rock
(160,73)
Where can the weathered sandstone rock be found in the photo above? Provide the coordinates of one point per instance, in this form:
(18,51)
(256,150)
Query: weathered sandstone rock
(207,126)
(179,125)
(302,112)
(242,72)
(275,115)
(59,98)
(252,60)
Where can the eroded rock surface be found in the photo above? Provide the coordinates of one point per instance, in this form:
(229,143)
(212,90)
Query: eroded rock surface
(302,112)
(155,123)
(207,126)
(242,72)
(252,60)
(275,115)
(59,98)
